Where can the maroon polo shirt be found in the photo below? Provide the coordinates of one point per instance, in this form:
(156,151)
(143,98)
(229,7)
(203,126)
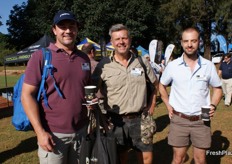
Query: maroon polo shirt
(65,115)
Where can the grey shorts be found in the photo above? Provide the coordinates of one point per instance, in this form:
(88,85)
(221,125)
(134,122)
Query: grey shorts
(128,134)
(182,131)
(66,150)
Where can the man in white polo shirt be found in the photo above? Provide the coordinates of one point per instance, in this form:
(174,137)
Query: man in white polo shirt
(190,76)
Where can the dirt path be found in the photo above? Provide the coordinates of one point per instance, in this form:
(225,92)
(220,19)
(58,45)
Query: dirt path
(11,72)
(4,103)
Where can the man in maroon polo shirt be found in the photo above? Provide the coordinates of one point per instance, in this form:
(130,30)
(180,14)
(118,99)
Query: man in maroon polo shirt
(59,127)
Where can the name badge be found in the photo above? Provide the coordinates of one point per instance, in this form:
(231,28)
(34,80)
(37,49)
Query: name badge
(201,77)
(85,66)
(136,72)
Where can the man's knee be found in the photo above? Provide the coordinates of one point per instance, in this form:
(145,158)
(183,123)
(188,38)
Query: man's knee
(147,157)
(179,155)
(199,159)
(178,159)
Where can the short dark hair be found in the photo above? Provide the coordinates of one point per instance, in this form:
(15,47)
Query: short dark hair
(228,54)
(190,29)
(88,47)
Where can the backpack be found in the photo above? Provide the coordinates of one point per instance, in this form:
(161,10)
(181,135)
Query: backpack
(20,120)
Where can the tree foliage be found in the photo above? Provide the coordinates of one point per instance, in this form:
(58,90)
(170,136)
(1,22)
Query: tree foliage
(147,20)
(200,13)
(4,51)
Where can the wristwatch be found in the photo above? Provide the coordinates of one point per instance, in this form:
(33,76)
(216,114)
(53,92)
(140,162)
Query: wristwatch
(215,107)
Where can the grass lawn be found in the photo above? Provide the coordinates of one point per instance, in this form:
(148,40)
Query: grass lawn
(21,147)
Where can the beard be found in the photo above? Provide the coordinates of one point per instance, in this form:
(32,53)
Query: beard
(191,53)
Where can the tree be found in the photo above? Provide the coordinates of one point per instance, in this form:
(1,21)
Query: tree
(4,51)
(32,20)
(223,19)
(97,16)
(147,20)
(178,14)
(18,26)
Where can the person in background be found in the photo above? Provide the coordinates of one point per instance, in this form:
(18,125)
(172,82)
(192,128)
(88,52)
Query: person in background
(122,82)
(225,72)
(147,56)
(90,50)
(191,76)
(60,126)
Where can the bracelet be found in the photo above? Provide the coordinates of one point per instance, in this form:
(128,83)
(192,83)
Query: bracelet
(215,107)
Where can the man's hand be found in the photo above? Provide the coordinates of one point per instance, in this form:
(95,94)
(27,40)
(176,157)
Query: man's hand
(212,111)
(170,111)
(45,141)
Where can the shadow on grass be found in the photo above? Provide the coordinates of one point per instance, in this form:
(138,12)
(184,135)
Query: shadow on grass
(25,146)
(219,145)
(162,122)
(162,152)
(6,112)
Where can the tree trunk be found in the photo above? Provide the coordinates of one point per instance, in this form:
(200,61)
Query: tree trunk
(207,35)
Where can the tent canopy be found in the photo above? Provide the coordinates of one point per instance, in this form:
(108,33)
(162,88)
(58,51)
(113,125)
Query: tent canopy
(142,51)
(109,46)
(230,47)
(25,54)
(87,40)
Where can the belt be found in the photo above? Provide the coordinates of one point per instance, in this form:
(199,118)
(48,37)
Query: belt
(188,117)
(131,115)
(126,116)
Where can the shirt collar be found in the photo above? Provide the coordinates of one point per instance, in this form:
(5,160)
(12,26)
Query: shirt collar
(201,60)
(52,46)
(113,59)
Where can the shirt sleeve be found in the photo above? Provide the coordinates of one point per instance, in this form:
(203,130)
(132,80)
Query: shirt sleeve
(215,80)
(33,71)
(166,77)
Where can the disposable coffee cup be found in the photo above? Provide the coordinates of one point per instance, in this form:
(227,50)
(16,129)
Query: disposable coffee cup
(90,91)
(205,113)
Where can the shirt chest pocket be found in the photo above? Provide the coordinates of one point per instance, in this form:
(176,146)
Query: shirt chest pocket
(114,78)
(202,84)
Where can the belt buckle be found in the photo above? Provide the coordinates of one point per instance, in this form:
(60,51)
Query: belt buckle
(132,116)
(194,118)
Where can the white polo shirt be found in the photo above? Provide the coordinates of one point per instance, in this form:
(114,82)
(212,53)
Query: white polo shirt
(190,90)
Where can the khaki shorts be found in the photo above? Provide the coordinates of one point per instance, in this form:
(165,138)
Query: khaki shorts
(182,131)
(128,134)
(66,150)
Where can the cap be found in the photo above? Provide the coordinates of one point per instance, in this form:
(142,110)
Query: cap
(63,15)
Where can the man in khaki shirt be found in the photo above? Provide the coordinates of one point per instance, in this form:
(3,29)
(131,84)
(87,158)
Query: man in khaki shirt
(122,82)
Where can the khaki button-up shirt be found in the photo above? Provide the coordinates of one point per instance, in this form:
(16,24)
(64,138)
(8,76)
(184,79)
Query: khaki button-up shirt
(124,88)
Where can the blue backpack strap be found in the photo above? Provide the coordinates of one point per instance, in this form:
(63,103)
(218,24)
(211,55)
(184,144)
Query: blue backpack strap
(47,70)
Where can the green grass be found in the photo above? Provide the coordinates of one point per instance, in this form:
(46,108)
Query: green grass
(11,81)
(12,68)
(11,76)
(21,147)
